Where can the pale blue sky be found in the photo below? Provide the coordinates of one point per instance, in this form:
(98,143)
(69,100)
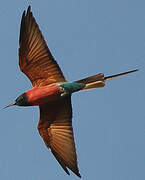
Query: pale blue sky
(86,37)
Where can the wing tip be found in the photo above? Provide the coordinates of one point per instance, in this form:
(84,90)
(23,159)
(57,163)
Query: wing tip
(60,161)
(77,172)
(23,13)
(29,9)
(22,26)
(65,165)
(79,175)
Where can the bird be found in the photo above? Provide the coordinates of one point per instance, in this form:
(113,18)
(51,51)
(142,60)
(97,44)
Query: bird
(51,92)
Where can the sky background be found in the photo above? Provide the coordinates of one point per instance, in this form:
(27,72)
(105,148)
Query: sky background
(86,37)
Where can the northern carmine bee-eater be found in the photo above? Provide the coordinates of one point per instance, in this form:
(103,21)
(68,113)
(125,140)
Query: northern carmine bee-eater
(51,92)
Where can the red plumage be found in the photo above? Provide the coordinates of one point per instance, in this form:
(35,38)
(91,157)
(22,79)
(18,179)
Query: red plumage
(41,95)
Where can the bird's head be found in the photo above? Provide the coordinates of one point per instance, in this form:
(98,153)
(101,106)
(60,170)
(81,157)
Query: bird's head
(20,101)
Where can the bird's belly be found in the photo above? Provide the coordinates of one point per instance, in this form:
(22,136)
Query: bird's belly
(41,95)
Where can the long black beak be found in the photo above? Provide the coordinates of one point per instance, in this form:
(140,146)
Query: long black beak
(13,104)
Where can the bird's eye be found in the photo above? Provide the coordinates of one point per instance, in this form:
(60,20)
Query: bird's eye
(62,90)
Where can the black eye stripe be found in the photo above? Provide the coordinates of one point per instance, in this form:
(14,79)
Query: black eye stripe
(22,100)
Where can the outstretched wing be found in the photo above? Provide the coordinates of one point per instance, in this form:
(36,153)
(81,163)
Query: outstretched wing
(35,58)
(55,127)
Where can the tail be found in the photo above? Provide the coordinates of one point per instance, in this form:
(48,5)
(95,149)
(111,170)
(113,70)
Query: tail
(98,80)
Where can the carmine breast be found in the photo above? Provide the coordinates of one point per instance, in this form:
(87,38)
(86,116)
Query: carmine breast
(41,95)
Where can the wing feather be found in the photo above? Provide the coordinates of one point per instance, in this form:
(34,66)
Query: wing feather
(55,127)
(35,58)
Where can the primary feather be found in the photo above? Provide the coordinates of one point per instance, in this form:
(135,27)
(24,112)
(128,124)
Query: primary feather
(55,127)
(35,58)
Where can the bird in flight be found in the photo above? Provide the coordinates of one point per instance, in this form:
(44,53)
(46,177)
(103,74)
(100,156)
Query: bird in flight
(51,92)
